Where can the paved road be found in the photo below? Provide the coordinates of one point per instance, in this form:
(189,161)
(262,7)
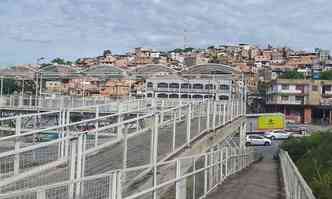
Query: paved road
(260,181)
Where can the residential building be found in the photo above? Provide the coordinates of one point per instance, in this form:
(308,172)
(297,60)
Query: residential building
(195,59)
(143,56)
(302,101)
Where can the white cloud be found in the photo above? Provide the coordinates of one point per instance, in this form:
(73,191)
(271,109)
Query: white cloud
(75,28)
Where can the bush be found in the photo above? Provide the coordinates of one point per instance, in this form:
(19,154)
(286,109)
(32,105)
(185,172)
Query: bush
(313,157)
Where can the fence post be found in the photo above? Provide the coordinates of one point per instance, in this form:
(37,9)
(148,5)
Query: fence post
(17,145)
(97,125)
(232,109)
(119,185)
(174,131)
(214,115)
(199,118)
(162,111)
(72,169)
(188,125)
(205,174)
(125,152)
(221,165)
(155,154)
(224,114)
(226,161)
(208,115)
(41,194)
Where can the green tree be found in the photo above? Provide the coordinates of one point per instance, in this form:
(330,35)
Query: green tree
(61,61)
(9,86)
(292,75)
(326,75)
(189,49)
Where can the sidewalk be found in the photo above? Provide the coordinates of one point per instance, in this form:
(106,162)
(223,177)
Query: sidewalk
(260,181)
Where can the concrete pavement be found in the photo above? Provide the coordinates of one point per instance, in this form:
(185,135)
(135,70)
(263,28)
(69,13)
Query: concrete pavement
(260,181)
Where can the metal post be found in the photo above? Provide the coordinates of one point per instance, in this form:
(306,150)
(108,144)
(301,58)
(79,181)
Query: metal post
(1,86)
(97,125)
(199,118)
(79,165)
(17,145)
(194,179)
(125,151)
(205,175)
(72,169)
(221,165)
(162,111)
(224,114)
(174,130)
(232,109)
(155,155)
(208,115)
(219,115)
(41,194)
(214,116)
(226,161)
(188,125)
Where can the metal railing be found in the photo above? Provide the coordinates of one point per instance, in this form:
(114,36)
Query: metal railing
(186,177)
(116,141)
(51,103)
(295,185)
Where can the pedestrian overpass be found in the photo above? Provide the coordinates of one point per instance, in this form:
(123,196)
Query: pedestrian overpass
(144,148)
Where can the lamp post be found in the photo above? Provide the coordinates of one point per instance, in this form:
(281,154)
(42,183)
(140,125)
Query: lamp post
(1,89)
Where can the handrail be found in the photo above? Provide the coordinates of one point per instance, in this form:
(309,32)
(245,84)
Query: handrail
(295,185)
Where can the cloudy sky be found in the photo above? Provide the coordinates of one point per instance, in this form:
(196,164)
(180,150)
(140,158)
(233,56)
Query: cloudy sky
(30,29)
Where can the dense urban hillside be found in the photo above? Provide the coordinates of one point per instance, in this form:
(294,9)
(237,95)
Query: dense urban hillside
(313,157)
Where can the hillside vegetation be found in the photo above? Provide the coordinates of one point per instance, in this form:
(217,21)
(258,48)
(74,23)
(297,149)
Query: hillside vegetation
(313,156)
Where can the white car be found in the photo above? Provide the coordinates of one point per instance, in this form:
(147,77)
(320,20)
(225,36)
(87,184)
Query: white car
(277,135)
(258,140)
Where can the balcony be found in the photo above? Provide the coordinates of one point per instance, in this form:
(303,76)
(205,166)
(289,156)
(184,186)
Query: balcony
(326,102)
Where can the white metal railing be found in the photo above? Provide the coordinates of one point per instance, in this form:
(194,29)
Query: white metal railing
(186,177)
(51,103)
(115,142)
(295,185)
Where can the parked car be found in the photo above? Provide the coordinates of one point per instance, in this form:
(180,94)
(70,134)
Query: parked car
(258,140)
(277,135)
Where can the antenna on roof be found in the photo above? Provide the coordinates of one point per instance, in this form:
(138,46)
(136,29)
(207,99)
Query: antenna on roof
(185,38)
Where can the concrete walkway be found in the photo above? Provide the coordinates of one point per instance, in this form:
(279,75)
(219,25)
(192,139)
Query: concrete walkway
(260,181)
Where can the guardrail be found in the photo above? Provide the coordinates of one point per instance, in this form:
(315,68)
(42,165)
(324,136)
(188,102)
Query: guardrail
(113,143)
(51,103)
(185,177)
(295,185)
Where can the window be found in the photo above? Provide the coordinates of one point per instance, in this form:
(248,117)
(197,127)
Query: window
(285,87)
(209,86)
(174,85)
(173,96)
(284,98)
(162,95)
(185,96)
(150,84)
(314,88)
(198,86)
(299,98)
(185,85)
(223,97)
(299,87)
(162,85)
(255,137)
(149,94)
(224,87)
(197,96)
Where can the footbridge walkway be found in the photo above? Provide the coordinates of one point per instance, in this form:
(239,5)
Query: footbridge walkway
(151,149)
